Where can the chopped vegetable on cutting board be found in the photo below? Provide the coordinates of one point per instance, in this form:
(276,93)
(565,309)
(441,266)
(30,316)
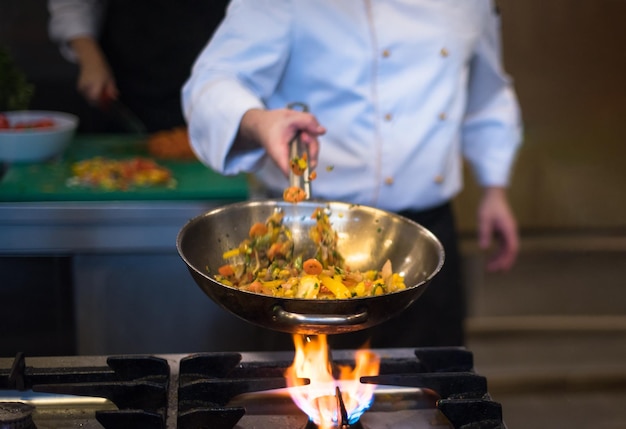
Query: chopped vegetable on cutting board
(120,174)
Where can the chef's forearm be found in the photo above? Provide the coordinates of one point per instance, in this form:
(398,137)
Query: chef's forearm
(70,19)
(88,52)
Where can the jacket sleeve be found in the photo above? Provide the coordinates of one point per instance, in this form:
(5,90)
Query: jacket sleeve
(237,71)
(73,18)
(492,125)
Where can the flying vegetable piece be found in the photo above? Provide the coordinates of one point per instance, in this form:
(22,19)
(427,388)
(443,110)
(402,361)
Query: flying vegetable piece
(294,194)
(299,164)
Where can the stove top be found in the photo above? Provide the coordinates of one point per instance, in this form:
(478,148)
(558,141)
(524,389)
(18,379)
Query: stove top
(416,388)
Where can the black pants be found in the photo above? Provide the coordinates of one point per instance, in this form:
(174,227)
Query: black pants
(436,318)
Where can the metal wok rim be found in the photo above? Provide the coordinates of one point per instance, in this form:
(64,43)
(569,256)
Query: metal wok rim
(279,203)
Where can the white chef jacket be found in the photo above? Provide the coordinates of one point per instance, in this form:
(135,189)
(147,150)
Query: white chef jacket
(405,89)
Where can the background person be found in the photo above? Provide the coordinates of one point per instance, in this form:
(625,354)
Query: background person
(138,51)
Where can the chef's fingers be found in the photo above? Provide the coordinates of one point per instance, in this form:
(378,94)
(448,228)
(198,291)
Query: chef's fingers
(505,255)
(110,91)
(96,83)
(91,91)
(495,219)
(99,93)
(313,148)
(309,128)
(274,130)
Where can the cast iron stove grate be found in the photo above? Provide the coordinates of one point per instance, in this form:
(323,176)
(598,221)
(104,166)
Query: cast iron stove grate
(208,382)
(137,385)
(197,391)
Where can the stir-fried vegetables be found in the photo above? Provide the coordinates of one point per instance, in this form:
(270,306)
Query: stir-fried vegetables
(265,263)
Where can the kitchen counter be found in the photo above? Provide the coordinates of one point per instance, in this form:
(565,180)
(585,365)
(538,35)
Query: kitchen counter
(48,181)
(131,292)
(40,212)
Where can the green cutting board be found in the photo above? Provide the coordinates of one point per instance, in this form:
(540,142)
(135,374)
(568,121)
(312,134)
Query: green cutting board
(48,181)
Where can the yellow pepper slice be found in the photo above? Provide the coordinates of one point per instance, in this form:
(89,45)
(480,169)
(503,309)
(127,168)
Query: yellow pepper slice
(335,285)
(231,253)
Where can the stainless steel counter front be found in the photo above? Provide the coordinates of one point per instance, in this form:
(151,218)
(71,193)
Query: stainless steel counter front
(131,292)
(95,227)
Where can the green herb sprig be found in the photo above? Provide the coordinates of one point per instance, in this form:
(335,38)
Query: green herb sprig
(16,92)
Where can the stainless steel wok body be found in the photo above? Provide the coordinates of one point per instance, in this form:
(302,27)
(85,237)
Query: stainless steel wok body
(367,238)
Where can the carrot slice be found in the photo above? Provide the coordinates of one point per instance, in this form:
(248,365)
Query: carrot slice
(226,270)
(312,266)
(258,229)
(294,194)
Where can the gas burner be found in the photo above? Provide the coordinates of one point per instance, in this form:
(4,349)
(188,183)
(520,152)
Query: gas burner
(16,415)
(343,422)
(357,425)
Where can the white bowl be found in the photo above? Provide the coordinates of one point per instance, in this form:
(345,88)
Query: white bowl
(36,144)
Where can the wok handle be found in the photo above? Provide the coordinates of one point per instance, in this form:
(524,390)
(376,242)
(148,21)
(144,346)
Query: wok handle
(296,150)
(289,318)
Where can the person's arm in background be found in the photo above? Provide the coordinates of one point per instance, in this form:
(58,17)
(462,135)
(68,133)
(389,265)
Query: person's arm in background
(74,25)
(492,135)
(95,80)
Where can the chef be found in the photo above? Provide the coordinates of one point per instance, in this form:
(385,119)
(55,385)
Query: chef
(400,93)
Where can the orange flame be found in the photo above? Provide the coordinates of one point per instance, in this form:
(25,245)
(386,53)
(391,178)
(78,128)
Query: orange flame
(318,398)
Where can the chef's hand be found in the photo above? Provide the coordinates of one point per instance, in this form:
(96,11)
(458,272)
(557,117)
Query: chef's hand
(275,129)
(496,221)
(95,79)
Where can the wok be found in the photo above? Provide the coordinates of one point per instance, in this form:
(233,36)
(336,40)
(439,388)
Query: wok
(367,238)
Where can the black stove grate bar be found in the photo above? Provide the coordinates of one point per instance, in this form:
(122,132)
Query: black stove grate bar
(445,359)
(227,365)
(220,391)
(446,384)
(135,419)
(214,418)
(120,368)
(472,413)
(23,377)
(209,365)
(139,367)
(409,366)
